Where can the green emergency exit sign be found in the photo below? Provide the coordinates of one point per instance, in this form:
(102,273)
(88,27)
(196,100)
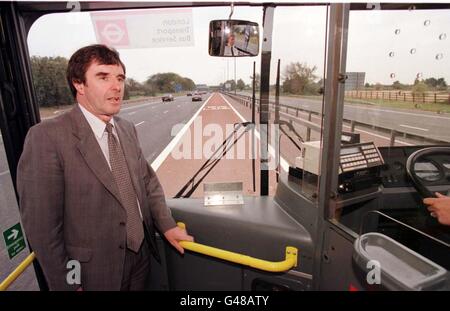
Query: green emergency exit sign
(15,243)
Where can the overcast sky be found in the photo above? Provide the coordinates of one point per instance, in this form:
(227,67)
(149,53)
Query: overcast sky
(388,46)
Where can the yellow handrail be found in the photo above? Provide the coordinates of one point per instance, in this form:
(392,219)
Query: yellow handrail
(17,272)
(285,265)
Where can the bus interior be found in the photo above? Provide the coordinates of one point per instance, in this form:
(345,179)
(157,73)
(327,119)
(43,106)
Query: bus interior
(308,175)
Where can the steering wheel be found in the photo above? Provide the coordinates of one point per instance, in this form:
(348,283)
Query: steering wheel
(410,163)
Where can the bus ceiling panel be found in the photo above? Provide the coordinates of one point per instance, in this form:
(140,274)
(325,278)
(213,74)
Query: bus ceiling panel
(67,6)
(64,6)
(32,10)
(398,6)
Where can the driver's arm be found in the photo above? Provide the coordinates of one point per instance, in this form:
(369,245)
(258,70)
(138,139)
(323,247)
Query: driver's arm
(439,207)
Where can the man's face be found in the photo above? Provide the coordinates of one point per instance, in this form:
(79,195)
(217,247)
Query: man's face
(102,93)
(231,40)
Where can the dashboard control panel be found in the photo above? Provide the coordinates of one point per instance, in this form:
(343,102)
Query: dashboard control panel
(359,156)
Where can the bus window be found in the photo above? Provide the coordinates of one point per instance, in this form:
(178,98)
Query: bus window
(396,103)
(173,59)
(172,88)
(299,113)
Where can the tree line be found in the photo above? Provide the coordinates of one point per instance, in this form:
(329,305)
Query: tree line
(51,88)
(49,78)
(297,78)
(232,85)
(421,86)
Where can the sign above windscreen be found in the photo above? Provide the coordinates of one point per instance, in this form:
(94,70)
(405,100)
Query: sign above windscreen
(144,28)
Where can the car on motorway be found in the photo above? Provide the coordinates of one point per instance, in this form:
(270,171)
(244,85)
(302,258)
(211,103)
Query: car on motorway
(189,94)
(167,98)
(197,97)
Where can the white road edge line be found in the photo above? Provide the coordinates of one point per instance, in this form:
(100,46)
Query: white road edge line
(284,164)
(380,136)
(145,104)
(414,128)
(137,124)
(165,153)
(131,113)
(372,134)
(401,112)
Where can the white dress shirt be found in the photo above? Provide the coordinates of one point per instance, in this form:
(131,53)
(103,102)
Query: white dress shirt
(98,127)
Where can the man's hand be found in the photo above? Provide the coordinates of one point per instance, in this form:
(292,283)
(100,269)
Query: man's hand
(177,234)
(439,207)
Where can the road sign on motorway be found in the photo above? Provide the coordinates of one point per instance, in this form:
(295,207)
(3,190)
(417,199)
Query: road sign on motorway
(14,240)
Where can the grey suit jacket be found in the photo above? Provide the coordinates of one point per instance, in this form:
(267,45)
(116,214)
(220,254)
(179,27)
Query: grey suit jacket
(70,204)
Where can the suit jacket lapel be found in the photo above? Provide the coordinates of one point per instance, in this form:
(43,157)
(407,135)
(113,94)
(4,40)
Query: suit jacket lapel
(91,152)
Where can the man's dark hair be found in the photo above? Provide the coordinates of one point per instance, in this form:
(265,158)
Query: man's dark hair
(84,57)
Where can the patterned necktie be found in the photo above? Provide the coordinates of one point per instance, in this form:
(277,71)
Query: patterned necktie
(119,168)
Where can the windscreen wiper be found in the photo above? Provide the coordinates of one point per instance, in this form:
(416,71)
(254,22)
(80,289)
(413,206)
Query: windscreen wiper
(243,51)
(291,129)
(212,161)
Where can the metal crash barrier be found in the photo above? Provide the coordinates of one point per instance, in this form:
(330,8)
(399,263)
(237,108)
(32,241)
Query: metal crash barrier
(17,272)
(294,117)
(281,266)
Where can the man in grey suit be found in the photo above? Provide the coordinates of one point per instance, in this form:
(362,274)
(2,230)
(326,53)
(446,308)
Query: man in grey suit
(86,192)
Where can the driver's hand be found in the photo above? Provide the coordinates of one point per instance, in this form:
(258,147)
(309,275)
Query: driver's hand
(439,207)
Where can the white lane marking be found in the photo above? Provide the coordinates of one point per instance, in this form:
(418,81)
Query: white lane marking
(137,124)
(139,106)
(283,162)
(413,127)
(149,102)
(399,112)
(165,153)
(380,136)
(178,106)
(369,133)
(131,113)
(372,134)
(166,111)
(4,173)
(385,110)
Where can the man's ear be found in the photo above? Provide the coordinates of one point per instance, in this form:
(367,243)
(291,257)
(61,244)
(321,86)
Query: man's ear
(79,86)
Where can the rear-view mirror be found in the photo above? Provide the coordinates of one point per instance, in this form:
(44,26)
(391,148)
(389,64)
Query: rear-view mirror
(233,38)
